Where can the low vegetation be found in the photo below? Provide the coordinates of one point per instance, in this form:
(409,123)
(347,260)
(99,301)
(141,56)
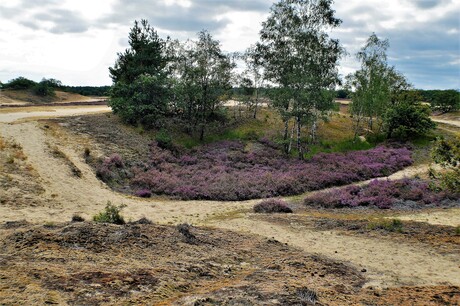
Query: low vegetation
(383,194)
(111,214)
(234,170)
(272,206)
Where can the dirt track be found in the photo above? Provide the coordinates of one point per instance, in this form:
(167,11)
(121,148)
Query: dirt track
(387,263)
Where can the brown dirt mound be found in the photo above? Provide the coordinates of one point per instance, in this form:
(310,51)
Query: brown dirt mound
(88,263)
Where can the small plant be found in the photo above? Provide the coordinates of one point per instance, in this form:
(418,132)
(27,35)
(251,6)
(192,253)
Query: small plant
(10,159)
(457,231)
(307,296)
(111,214)
(393,225)
(87,152)
(77,218)
(49,224)
(163,139)
(142,220)
(184,229)
(272,206)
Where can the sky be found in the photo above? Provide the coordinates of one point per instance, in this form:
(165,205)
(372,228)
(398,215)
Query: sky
(75,41)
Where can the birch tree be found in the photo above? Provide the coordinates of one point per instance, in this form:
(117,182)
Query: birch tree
(301,60)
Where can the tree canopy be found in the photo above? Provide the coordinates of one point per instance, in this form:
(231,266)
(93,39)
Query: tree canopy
(301,60)
(140,89)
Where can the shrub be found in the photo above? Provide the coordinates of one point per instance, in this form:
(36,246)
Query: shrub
(77,218)
(19,83)
(111,168)
(382,194)
(142,220)
(163,139)
(447,154)
(184,229)
(111,214)
(393,225)
(272,206)
(231,170)
(143,193)
(406,121)
(307,296)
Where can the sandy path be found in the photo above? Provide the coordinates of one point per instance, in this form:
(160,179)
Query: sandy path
(388,263)
(50,112)
(450,122)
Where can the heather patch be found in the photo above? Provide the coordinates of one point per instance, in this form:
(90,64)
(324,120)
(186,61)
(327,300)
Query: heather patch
(234,170)
(382,194)
(272,206)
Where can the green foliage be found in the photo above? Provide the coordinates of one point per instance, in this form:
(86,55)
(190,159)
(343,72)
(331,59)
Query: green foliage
(163,139)
(140,91)
(343,94)
(19,83)
(111,214)
(202,80)
(301,60)
(143,101)
(377,86)
(88,90)
(347,145)
(393,225)
(405,121)
(45,88)
(447,154)
(442,100)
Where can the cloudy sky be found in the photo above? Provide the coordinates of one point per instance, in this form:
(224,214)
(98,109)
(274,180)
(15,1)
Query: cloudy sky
(75,41)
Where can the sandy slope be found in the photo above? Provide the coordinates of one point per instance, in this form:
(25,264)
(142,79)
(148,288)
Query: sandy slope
(389,263)
(450,122)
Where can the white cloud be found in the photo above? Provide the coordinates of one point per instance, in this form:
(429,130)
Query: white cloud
(76,41)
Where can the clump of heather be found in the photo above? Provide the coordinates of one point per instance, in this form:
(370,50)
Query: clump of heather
(272,206)
(233,170)
(143,193)
(382,194)
(112,168)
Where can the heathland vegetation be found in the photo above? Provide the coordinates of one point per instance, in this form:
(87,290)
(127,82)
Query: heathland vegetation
(187,126)
(179,88)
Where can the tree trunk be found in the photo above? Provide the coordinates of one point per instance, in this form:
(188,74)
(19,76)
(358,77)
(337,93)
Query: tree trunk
(291,137)
(286,135)
(314,128)
(202,132)
(299,144)
(256,103)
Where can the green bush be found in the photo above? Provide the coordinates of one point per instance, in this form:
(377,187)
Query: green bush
(19,83)
(44,89)
(111,214)
(447,154)
(406,121)
(393,225)
(163,139)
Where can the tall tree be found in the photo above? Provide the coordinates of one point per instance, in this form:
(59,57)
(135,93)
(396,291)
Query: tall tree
(377,86)
(140,89)
(301,60)
(252,77)
(202,78)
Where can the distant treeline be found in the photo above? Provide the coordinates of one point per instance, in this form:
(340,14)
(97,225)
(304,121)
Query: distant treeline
(87,90)
(46,87)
